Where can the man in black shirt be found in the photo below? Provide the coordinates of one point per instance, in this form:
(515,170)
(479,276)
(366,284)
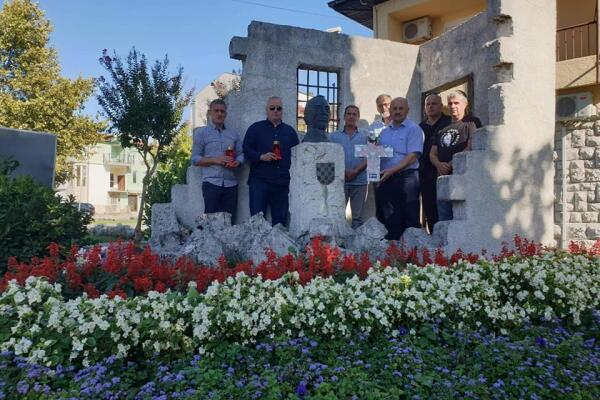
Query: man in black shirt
(435,121)
(452,139)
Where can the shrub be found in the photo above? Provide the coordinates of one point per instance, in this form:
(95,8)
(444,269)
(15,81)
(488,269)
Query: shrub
(32,216)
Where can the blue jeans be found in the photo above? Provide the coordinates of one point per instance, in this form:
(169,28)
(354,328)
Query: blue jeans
(444,209)
(220,199)
(264,195)
(397,203)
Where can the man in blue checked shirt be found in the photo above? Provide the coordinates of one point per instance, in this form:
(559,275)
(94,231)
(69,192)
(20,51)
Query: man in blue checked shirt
(355,175)
(219,150)
(397,196)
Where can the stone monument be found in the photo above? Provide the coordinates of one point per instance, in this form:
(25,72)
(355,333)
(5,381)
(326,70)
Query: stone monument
(316,116)
(317,202)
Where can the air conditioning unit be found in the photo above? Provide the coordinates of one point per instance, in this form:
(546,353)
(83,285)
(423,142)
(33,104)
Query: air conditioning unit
(574,106)
(417,30)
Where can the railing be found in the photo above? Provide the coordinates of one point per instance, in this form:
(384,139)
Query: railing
(127,159)
(577,41)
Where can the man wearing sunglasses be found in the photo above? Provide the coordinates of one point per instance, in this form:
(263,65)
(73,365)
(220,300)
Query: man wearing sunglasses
(268,145)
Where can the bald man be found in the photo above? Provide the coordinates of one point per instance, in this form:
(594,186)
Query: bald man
(397,196)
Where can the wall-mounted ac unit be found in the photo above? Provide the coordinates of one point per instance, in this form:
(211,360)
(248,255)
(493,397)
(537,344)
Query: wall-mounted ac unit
(416,30)
(574,106)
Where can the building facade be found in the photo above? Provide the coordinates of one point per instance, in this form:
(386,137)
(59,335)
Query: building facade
(109,177)
(577,142)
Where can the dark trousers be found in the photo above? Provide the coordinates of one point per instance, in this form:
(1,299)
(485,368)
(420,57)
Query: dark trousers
(265,195)
(428,182)
(220,199)
(397,203)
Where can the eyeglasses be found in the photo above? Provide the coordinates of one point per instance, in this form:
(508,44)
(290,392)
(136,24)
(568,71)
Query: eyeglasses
(278,108)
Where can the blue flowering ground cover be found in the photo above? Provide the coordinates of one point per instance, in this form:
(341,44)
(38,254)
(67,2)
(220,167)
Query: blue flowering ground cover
(551,361)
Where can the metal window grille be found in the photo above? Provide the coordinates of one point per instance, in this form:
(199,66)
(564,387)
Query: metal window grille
(314,82)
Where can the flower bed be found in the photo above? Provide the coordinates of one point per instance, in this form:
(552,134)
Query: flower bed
(143,327)
(124,271)
(37,322)
(547,362)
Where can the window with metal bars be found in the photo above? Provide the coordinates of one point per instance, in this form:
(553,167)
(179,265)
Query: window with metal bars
(312,82)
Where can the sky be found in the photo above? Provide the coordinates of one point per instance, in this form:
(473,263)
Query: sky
(194,33)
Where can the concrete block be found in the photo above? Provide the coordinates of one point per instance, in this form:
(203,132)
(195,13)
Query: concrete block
(576,171)
(578,138)
(481,138)
(592,175)
(203,248)
(451,187)
(579,205)
(572,154)
(569,197)
(587,153)
(577,231)
(370,237)
(595,207)
(593,141)
(166,232)
(575,217)
(592,232)
(588,217)
(277,239)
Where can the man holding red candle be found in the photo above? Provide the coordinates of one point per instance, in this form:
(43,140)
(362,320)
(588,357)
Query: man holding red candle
(268,145)
(219,150)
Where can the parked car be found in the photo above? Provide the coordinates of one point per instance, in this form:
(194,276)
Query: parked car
(85,208)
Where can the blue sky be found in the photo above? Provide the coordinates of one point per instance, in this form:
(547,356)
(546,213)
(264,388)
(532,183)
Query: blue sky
(195,34)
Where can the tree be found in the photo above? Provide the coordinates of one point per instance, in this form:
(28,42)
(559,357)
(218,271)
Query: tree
(171,172)
(33,95)
(144,108)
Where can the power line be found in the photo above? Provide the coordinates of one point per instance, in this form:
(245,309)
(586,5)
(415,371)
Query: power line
(254,3)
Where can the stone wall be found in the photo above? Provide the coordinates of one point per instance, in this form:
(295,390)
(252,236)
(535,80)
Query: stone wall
(271,55)
(577,182)
(504,186)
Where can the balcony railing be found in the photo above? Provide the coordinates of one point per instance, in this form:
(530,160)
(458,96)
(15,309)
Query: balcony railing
(121,159)
(577,41)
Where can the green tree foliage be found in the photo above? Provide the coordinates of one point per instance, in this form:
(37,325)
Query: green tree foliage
(32,216)
(171,172)
(144,107)
(33,95)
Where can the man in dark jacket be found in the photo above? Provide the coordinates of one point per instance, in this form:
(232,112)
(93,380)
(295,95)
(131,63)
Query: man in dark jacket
(267,145)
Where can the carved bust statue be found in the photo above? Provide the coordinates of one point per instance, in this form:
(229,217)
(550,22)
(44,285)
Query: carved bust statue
(316,116)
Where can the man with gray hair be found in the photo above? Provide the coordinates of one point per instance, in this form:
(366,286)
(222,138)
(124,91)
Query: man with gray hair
(384,118)
(219,150)
(452,139)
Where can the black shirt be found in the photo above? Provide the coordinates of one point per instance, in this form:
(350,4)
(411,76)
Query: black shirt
(259,140)
(453,139)
(430,132)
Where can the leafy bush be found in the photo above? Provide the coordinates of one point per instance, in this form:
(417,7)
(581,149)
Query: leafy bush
(32,216)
